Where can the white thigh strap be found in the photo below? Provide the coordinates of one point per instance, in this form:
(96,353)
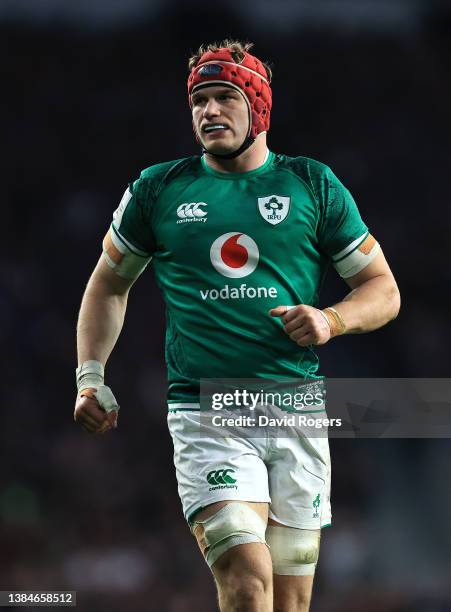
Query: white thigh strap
(236,523)
(294,552)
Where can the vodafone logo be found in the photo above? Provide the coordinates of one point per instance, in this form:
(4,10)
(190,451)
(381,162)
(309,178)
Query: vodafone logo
(234,255)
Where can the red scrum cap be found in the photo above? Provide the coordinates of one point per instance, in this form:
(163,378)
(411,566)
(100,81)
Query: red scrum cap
(249,77)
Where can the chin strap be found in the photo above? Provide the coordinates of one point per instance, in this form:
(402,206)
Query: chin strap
(246,144)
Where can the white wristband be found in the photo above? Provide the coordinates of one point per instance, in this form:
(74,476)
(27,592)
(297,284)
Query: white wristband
(89,375)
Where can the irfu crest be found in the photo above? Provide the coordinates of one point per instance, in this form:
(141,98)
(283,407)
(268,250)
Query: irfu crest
(274,209)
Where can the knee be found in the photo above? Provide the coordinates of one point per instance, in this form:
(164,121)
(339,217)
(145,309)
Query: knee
(297,601)
(247,590)
(244,576)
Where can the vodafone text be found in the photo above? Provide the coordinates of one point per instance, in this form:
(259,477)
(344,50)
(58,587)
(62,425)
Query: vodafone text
(236,293)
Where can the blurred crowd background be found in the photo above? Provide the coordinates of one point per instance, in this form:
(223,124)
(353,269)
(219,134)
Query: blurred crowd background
(93,92)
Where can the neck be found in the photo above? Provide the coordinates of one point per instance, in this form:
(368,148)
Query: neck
(251,159)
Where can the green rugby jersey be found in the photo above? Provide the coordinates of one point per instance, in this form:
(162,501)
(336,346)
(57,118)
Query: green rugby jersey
(228,247)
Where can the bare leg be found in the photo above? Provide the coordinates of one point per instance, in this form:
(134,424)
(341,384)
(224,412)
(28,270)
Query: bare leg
(291,593)
(243,573)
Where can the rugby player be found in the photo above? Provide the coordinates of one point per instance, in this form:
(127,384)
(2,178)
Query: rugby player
(240,239)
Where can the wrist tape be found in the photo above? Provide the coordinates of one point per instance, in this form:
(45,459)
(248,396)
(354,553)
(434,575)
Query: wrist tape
(335,320)
(90,378)
(89,375)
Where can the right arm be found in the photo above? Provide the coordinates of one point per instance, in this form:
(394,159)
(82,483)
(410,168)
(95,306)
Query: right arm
(100,322)
(127,248)
(102,313)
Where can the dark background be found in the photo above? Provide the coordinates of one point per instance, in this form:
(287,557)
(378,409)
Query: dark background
(93,92)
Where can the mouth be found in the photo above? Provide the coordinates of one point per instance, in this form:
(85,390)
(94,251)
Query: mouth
(214,127)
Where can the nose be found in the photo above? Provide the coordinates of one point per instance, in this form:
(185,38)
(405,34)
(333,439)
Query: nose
(211,109)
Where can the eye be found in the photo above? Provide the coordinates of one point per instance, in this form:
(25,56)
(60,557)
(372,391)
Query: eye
(198,101)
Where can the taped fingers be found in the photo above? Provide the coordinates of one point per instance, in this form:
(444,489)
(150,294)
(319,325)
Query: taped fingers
(290,314)
(96,408)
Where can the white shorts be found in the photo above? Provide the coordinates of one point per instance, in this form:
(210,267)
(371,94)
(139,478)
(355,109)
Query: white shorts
(291,474)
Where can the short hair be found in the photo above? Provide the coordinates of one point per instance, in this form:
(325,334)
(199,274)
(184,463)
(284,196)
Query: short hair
(237,50)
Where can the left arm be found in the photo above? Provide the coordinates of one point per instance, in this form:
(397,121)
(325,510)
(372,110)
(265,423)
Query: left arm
(374,299)
(373,302)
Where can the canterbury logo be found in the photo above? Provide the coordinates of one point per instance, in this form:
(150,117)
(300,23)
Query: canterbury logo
(217,477)
(191,210)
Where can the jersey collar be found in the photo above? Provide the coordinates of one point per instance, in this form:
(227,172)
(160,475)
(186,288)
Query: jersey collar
(237,175)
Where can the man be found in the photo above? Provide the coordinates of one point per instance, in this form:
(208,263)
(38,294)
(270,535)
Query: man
(240,240)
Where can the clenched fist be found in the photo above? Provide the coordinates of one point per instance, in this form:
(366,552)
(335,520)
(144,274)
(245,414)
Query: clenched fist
(89,413)
(304,324)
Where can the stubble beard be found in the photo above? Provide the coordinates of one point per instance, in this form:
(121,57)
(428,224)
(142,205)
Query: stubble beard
(222,146)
